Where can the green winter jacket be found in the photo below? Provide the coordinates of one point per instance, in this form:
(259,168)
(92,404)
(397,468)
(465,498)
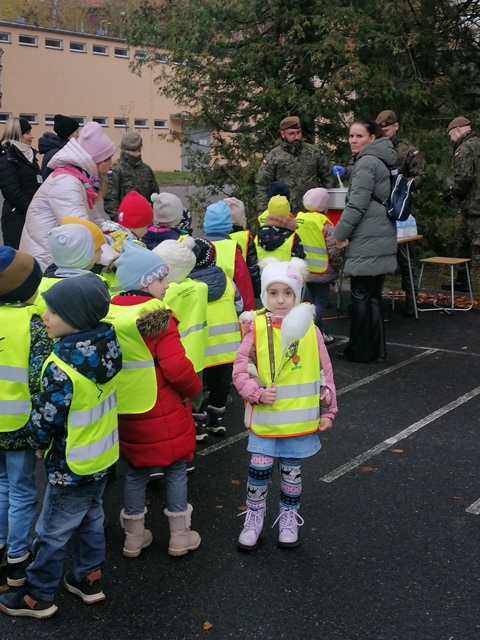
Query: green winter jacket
(466,170)
(129,173)
(372,235)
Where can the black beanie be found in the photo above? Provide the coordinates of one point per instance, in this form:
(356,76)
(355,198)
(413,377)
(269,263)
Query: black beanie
(25,125)
(81,301)
(205,253)
(64,126)
(278,189)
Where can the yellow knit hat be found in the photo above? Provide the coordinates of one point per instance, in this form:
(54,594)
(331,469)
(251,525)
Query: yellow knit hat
(98,237)
(279,205)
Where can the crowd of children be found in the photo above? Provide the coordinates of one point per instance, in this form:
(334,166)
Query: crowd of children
(129,342)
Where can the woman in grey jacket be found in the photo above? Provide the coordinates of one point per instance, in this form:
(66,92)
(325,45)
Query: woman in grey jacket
(370,240)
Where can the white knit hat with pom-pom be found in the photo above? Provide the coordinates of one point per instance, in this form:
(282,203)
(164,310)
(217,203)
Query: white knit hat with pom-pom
(293,274)
(179,256)
(167,209)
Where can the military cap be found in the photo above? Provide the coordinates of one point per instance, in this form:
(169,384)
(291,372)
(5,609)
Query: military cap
(461,121)
(290,122)
(386,118)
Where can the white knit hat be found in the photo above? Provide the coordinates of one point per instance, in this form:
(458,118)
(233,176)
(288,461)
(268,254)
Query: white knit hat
(293,274)
(179,256)
(167,209)
(71,246)
(237,210)
(316,200)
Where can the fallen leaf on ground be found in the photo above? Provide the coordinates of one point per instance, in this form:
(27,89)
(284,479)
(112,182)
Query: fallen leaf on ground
(396,450)
(234,481)
(207,625)
(457,498)
(314,529)
(464,348)
(219,506)
(242,508)
(366,469)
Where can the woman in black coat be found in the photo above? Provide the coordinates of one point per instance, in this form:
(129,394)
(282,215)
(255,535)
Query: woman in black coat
(19,177)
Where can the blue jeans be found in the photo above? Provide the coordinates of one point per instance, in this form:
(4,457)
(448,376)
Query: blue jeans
(319,292)
(18,500)
(175,476)
(68,513)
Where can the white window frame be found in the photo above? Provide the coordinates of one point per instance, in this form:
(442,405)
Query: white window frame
(156,124)
(5,37)
(100,53)
(102,120)
(74,43)
(49,119)
(141,123)
(50,46)
(31,117)
(82,120)
(141,54)
(117,53)
(34,39)
(4,117)
(161,58)
(120,123)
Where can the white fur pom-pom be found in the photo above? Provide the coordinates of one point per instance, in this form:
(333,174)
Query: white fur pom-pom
(302,266)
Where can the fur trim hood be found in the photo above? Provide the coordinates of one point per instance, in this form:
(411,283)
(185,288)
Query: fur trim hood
(151,323)
(281,222)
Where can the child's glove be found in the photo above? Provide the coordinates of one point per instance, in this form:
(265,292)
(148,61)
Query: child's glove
(338,171)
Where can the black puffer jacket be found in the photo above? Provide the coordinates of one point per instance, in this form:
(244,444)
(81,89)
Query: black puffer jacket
(19,180)
(48,145)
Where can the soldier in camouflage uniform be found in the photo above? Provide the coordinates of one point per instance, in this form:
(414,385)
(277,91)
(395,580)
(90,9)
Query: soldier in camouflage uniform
(129,173)
(411,164)
(465,189)
(299,165)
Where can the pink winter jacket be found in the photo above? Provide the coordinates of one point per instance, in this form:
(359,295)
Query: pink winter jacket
(247,384)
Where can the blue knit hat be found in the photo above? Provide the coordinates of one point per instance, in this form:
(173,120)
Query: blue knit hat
(218,218)
(20,275)
(138,267)
(278,189)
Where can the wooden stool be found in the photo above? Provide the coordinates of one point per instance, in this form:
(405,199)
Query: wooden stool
(451,262)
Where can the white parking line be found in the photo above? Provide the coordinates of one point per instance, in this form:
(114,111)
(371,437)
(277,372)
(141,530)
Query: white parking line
(416,426)
(223,444)
(474,508)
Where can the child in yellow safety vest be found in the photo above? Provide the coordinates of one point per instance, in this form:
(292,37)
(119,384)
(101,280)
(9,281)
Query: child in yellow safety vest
(291,394)
(74,425)
(277,237)
(324,258)
(244,240)
(24,346)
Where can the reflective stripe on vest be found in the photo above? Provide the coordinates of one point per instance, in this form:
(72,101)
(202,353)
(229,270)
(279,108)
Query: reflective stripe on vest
(282,253)
(111,280)
(310,231)
(15,402)
(137,382)
(224,336)
(188,301)
(92,434)
(296,410)
(241,238)
(226,251)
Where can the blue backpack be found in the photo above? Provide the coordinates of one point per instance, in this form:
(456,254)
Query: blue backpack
(400,200)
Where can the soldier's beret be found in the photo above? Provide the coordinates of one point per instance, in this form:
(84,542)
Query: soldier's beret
(461,121)
(386,118)
(290,122)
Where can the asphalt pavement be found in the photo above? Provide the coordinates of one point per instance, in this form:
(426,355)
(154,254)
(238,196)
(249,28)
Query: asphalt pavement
(390,545)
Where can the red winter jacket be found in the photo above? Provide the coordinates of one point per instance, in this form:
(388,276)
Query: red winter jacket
(166,433)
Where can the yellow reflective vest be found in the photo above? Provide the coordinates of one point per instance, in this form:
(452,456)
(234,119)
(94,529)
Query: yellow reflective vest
(226,251)
(188,301)
(15,401)
(224,336)
(45,284)
(137,382)
(111,280)
(262,217)
(282,253)
(241,238)
(310,230)
(92,434)
(296,411)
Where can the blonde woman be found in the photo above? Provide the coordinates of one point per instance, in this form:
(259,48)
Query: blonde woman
(19,177)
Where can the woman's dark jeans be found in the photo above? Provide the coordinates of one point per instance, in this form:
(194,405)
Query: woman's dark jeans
(367,333)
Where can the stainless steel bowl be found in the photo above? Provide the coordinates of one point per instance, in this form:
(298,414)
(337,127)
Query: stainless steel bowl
(336,199)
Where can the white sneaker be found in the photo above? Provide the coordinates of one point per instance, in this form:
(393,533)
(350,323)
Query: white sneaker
(290,520)
(252,529)
(328,339)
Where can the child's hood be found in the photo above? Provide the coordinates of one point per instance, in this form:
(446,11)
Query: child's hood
(151,323)
(94,353)
(214,277)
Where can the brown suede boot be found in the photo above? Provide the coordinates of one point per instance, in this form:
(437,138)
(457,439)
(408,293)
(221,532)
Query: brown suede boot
(182,540)
(136,536)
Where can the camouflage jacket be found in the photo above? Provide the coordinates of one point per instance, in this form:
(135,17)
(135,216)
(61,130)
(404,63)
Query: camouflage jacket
(129,173)
(410,161)
(301,168)
(466,173)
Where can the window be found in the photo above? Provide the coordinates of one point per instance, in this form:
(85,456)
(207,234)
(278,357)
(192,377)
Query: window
(28,41)
(4,117)
(229,127)
(49,119)
(161,57)
(160,124)
(142,55)
(80,119)
(141,123)
(120,122)
(5,37)
(101,120)
(100,50)
(53,43)
(79,47)
(31,117)
(121,53)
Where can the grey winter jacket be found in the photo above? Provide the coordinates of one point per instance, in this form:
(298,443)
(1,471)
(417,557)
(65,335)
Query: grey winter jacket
(372,235)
